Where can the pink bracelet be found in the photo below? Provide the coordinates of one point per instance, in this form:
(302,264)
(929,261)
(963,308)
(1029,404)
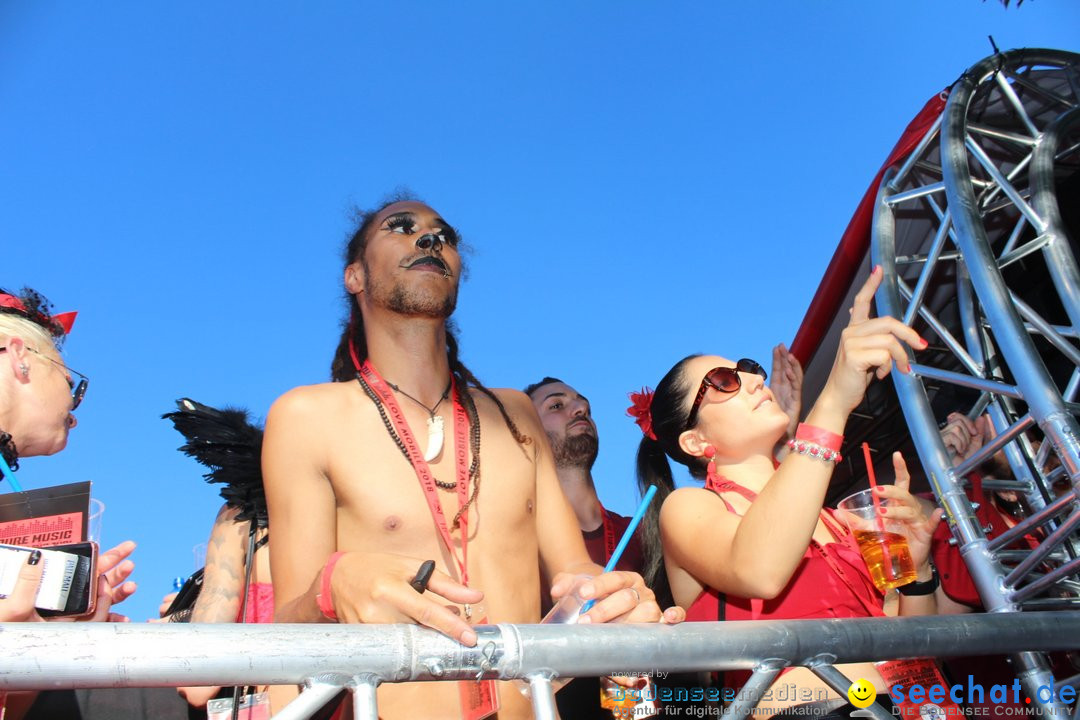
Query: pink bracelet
(324,599)
(819,436)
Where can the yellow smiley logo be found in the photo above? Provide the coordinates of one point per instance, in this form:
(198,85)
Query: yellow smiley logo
(862,693)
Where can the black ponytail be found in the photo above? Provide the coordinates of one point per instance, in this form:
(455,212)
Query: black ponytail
(668,413)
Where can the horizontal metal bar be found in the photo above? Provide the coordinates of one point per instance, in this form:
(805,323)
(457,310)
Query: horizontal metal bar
(964,380)
(902,197)
(914,259)
(1045,603)
(1025,140)
(55,655)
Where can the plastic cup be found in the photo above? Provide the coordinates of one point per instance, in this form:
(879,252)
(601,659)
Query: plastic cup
(93,521)
(568,609)
(199,552)
(566,612)
(882,542)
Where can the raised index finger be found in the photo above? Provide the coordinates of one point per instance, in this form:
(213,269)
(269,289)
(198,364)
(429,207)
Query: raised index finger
(860,310)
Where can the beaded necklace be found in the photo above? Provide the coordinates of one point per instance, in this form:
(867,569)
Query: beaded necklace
(474,447)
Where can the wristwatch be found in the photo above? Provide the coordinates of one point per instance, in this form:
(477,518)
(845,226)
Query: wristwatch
(926,587)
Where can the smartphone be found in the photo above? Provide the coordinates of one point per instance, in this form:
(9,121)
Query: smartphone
(68,585)
(188,594)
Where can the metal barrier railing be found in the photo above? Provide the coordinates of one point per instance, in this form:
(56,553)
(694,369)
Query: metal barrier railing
(327,658)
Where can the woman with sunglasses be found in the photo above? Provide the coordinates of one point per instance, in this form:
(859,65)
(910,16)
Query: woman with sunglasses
(38,396)
(755,542)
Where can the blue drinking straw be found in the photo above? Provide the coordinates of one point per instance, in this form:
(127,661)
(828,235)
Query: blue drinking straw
(625,540)
(9,474)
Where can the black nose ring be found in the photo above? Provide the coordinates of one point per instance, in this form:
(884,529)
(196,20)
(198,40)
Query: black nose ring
(429,241)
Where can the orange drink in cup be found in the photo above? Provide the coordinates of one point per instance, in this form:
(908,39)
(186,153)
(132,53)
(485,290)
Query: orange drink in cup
(882,542)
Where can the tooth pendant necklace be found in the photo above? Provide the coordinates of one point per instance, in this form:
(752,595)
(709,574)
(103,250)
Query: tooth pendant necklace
(434,423)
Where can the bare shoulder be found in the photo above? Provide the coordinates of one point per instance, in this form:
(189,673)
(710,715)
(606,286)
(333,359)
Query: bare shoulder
(689,503)
(306,403)
(519,407)
(515,402)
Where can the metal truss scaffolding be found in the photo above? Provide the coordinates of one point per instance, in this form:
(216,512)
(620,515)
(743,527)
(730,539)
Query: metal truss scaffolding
(971,229)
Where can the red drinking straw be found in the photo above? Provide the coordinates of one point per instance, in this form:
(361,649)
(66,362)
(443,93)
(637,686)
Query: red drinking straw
(878,520)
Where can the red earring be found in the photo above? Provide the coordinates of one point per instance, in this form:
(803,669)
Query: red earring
(712,478)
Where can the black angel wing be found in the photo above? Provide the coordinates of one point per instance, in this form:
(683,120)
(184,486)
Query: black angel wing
(229,444)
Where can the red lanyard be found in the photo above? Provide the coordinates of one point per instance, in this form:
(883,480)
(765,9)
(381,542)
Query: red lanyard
(423,471)
(609,534)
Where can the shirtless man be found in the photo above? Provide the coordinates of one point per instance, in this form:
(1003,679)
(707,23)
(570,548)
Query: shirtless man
(344,473)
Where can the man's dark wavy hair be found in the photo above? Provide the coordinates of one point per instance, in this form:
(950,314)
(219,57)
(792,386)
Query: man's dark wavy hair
(342,369)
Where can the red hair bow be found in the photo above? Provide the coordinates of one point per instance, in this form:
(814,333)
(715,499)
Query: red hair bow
(641,411)
(64,320)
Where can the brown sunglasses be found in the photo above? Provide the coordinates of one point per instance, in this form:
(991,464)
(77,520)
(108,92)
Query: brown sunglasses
(725,380)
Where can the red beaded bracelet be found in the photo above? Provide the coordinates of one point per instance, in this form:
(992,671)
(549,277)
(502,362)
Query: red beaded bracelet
(324,599)
(819,436)
(813,450)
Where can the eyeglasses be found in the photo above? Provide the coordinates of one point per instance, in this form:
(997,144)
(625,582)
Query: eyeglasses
(78,390)
(725,380)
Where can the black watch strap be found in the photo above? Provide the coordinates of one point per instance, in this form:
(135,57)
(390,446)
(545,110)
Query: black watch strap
(927,587)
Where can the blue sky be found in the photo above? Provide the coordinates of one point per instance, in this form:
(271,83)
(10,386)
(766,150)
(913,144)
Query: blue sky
(638,180)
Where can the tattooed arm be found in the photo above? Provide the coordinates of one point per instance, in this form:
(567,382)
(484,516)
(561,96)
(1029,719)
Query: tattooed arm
(223,584)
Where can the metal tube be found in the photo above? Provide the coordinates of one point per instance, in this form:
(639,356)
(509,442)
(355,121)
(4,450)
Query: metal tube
(1006,186)
(840,683)
(927,272)
(942,332)
(751,692)
(1045,548)
(920,418)
(308,702)
(991,386)
(902,173)
(991,448)
(61,655)
(365,706)
(1045,582)
(1047,330)
(1014,138)
(1028,524)
(1018,106)
(918,192)
(543,697)
(1014,236)
(1060,261)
